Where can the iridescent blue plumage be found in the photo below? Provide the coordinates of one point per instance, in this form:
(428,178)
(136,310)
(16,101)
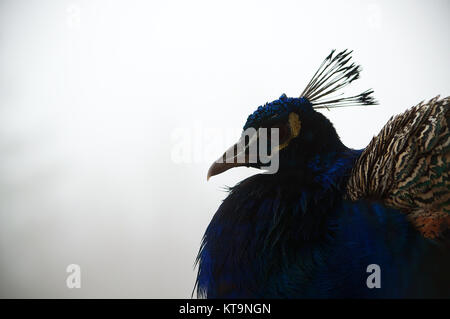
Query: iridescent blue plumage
(294,236)
(294,233)
(278,108)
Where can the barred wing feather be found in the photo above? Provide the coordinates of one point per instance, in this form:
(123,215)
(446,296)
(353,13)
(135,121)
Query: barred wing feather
(407,164)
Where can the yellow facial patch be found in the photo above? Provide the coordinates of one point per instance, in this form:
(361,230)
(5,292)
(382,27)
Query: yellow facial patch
(294,125)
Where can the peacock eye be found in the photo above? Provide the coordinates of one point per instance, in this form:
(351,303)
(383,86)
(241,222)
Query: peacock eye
(283,131)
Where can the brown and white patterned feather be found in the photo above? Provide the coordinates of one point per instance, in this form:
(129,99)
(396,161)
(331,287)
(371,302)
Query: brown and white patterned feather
(407,164)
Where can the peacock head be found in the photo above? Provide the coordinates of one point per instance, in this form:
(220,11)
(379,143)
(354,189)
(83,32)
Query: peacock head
(286,133)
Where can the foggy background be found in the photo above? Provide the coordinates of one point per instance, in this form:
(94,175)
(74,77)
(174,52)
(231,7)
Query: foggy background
(112,111)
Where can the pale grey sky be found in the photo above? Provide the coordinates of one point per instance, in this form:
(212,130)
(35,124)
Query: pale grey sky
(96,96)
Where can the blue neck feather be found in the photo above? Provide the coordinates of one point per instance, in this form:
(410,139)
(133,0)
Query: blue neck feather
(292,235)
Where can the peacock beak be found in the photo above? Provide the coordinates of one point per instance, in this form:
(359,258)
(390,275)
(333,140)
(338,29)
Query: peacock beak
(237,155)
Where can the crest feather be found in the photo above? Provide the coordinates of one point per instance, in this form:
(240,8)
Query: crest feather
(336,72)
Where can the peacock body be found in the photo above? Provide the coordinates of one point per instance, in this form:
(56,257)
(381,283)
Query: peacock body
(312,229)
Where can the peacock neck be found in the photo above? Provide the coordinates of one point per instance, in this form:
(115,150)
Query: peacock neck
(328,170)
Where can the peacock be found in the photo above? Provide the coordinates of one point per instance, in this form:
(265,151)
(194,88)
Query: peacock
(316,226)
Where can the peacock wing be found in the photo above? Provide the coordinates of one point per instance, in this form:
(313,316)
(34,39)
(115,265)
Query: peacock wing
(407,164)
